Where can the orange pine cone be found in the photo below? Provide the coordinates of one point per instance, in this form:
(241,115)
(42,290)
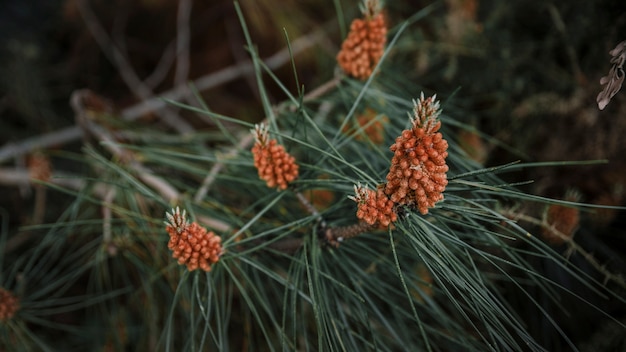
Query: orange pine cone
(39,167)
(275,166)
(365,44)
(9,304)
(192,244)
(374,130)
(417,176)
(374,207)
(562,221)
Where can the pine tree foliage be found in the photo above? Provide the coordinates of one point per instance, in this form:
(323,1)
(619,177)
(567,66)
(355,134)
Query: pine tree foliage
(465,275)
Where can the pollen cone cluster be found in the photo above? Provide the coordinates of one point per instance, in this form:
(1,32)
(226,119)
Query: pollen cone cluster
(275,166)
(417,176)
(9,304)
(39,167)
(374,207)
(561,221)
(192,244)
(373,127)
(365,44)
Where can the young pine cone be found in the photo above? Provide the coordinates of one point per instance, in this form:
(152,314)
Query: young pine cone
(365,44)
(417,176)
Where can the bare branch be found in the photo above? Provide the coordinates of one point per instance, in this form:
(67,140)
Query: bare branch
(123,65)
(573,246)
(182,43)
(133,112)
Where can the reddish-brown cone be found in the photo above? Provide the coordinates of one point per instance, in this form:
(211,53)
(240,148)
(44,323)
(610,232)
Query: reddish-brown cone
(192,244)
(373,127)
(9,304)
(417,176)
(365,44)
(39,167)
(561,221)
(374,207)
(275,166)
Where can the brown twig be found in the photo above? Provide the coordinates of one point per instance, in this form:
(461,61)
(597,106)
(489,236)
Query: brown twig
(127,73)
(182,43)
(40,204)
(17,176)
(573,246)
(133,112)
(337,235)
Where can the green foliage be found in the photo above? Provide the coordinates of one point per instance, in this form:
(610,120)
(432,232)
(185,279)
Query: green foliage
(464,277)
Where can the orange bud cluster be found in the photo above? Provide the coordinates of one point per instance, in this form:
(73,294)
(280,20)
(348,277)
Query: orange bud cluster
(39,167)
(365,44)
(275,166)
(374,207)
(561,221)
(9,304)
(374,130)
(417,176)
(192,244)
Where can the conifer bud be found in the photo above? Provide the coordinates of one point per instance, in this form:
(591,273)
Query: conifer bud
(275,166)
(365,44)
(561,221)
(39,167)
(417,176)
(374,207)
(9,304)
(191,244)
(373,127)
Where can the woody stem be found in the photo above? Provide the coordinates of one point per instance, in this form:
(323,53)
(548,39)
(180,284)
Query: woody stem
(335,235)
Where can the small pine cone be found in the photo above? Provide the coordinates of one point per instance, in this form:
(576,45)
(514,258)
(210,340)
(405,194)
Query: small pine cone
(39,167)
(562,221)
(374,207)
(275,166)
(374,130)
(365,44)
(191,244)
(9,304)
(417,176)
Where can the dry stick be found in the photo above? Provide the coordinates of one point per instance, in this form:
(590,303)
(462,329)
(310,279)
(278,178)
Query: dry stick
(311,209)
(127,73)
(18,176)
(228,74)
(573,246)
(336,235)
(40,204)
(333,235)
(132,113)
(26,146)
(15,176)
(182,43)
(167,191)
(246,139)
